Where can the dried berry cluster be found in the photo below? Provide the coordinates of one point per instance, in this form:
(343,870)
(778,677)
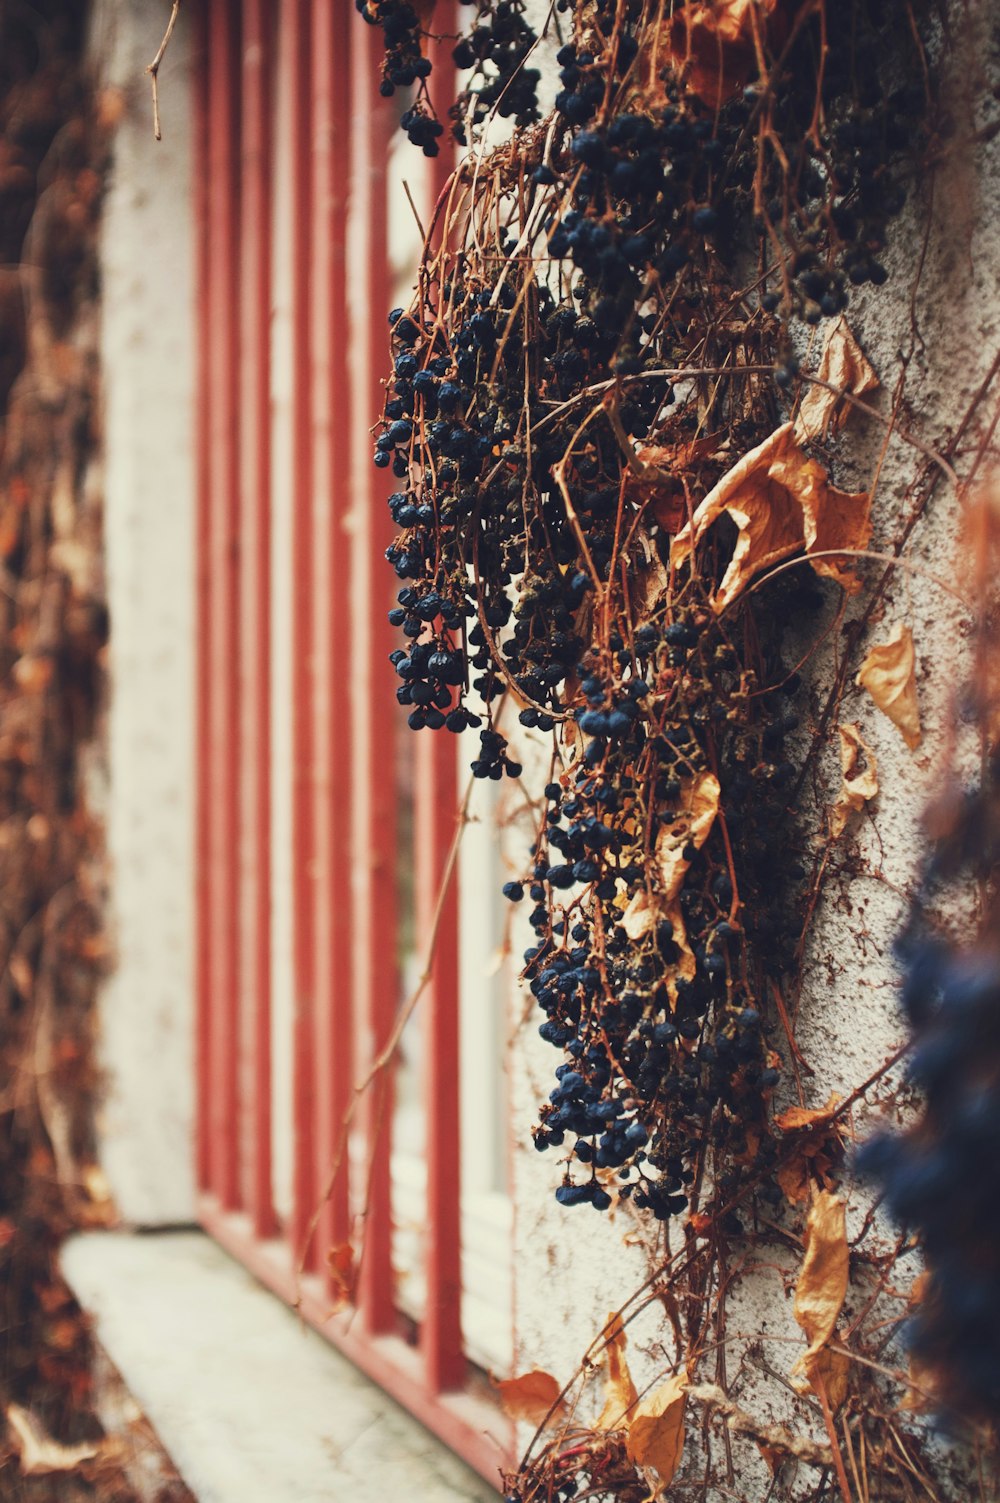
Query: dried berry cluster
(939,1176)
(601,331)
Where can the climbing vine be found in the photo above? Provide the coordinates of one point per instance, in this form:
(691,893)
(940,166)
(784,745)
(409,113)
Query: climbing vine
(612,422)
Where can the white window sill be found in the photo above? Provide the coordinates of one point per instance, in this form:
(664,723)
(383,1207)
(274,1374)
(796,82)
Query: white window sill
(251,1405)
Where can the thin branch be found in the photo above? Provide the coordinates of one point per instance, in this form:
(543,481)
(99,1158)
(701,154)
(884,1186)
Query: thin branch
(154,67)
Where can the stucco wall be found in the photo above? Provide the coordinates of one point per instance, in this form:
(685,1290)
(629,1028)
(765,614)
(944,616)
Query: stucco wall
(146,1044)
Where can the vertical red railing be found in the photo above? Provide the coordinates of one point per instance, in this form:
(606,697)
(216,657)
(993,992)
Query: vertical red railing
(223,594)
(296,38)
(437,884)
(203,619)
(339,622)
(375,791)
(330,397)
(343,717)
(255,610)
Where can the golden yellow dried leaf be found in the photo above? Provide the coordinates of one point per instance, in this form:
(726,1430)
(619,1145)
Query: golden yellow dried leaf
(531,1396)
(619,1390)
(699,804)
(860,777)
(656,1432)
(781,502)
(820,1294)
(889,674)
(843,365)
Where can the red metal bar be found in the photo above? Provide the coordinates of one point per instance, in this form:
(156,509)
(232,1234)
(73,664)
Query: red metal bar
(375,801)
(203,620)
(331,420)
(437,807)
(340,957)
(223,592)
(255,612)
(296,43)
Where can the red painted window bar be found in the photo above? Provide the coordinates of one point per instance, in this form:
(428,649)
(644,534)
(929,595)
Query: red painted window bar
(326,170)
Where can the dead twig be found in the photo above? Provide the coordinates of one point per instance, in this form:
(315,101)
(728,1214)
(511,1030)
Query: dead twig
(154,67)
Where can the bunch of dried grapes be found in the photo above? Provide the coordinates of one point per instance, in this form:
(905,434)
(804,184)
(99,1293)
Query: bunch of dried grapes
(602,330)
(938,1176)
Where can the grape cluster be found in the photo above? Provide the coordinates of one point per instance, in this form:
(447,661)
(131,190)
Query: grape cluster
(579,366)
(939,1176)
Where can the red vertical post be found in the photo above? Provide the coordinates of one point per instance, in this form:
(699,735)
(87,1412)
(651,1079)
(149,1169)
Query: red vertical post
(203,619)
(436,816)
(223,593)
(333,409)
(375,789)
(331,428)
(255,611)
(296,39)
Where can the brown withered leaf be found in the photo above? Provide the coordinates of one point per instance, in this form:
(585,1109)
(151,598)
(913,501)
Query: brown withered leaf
(820,1294)
(38,1452)
(842,364)
(343,1270)
(859,777)
(656,1431)
(699,804)
(889,674)
(619,1390)
(782,502)
(807,1118)
(641,916)
(531,1396)
(712,46)
(661,482)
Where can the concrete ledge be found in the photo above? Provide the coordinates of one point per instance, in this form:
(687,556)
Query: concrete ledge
(252,1406)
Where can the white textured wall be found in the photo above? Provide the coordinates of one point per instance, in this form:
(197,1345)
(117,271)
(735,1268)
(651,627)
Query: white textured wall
(148,376)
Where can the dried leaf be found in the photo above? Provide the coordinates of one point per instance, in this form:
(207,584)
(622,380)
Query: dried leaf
(619,1390)
(805,1118)
(656,1430)
(38,1452)
(889,674)
(842,364)
(531,1396)
(860,777)
(712,46)
(641,915)
(343,1269)
(699,805)
(781,501)
(820,1294)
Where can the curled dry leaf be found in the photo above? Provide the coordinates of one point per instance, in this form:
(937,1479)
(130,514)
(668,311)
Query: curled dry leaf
(699,804)
(38,1452)
(619,1390)
(890,676)
(712,46)
(843,365)
(860,777)
(656,1430)
(782,502)
(669,472)
(531,1397)
(343,1270)
(641,916)
(817,1135)
(820,1294)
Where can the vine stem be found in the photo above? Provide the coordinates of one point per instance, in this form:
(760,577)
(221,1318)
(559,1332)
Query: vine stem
(387,1053)
(153,68)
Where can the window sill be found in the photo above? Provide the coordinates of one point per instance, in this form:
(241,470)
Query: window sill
(250,1404)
